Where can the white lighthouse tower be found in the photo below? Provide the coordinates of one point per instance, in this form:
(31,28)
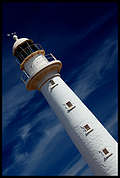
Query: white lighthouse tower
(41,72)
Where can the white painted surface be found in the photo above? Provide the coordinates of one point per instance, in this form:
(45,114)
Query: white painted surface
(35,64)
(38,63)
(91,145)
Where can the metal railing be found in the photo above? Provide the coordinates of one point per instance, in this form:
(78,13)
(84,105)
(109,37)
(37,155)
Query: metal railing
(24,77)
(50,57)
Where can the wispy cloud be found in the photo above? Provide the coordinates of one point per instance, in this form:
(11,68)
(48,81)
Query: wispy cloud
(16,98)
(112,125)
(91,74)
(39,153)
(73,167)
(22,154)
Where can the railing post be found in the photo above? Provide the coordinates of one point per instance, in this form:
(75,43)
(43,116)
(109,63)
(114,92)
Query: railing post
(53,56)
(22,77)
(26,73)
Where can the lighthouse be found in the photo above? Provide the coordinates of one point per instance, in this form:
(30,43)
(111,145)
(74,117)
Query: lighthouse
(41,71)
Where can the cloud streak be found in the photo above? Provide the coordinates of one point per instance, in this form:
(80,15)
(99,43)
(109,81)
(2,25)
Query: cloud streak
(91,74)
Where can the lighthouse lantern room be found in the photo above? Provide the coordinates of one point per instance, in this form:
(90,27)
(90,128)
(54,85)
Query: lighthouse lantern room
(34,63)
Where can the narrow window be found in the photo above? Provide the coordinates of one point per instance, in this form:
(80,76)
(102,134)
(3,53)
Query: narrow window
(87,127)
(52,84)
(69,104)
(105,151)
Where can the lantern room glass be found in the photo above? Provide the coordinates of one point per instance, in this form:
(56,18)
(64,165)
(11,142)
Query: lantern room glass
(25,49)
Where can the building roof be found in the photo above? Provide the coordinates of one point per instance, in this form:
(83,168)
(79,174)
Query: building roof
(18,42)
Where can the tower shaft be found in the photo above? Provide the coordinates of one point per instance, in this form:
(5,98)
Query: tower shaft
(96,145)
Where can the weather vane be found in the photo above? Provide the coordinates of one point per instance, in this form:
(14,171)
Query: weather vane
(13,35)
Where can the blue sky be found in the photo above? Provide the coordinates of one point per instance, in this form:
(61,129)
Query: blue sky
(84,36)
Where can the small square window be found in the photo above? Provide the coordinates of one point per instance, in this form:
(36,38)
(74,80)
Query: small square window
(52,82)
(105,151)
(87,127)
(69,104)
